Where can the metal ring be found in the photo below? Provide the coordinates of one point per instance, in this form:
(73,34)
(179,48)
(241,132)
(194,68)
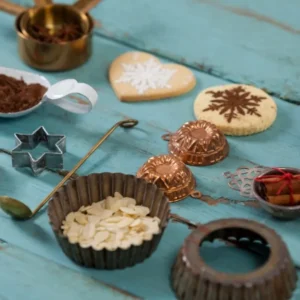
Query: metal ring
(193,279)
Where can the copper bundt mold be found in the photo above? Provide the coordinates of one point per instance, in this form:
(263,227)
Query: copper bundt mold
(193,279)
(198,143)
(171,175)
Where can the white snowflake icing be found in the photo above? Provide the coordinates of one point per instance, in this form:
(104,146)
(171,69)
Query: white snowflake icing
(147,75)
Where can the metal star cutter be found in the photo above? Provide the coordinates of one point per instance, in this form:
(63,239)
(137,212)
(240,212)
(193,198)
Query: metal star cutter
(52,158)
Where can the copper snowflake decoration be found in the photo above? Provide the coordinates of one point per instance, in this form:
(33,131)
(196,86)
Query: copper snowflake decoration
(234,102)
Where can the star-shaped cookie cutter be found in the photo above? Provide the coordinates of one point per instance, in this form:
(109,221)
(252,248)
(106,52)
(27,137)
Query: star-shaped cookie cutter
(21,157)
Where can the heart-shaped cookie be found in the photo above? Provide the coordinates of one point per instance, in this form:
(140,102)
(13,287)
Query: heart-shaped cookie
(139,76)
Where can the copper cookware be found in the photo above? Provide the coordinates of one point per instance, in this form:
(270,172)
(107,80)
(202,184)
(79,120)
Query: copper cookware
(171,175)
(198,143)
(53,56)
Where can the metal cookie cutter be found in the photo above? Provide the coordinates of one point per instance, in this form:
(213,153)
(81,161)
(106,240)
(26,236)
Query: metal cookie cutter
(53,158)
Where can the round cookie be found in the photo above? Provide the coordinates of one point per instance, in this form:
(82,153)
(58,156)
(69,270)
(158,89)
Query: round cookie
(236,109)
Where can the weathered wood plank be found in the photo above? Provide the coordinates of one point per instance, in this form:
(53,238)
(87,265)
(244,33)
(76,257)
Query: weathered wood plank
(23,273)
(124,152)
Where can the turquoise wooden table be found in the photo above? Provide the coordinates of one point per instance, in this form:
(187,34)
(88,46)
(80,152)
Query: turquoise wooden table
(223,41)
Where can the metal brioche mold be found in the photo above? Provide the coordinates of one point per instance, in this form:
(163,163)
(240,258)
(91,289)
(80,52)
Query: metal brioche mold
(93,188)
(198,143)
(193,279)
(171,175)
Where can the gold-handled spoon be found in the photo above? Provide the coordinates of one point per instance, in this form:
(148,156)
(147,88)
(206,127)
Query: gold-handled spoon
(21,211)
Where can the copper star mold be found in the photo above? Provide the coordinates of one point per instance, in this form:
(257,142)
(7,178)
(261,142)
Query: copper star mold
(22,158)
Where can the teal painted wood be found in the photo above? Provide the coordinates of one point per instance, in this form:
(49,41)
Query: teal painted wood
(254,42)
(23,273)
(125,152)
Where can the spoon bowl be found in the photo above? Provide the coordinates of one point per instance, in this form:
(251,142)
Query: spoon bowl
(15,208)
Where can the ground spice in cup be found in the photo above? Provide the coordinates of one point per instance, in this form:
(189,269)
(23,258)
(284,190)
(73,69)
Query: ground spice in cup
(16,95)
(67,33)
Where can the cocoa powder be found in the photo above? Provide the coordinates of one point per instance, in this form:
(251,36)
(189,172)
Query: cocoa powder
(67,33)
(16,95)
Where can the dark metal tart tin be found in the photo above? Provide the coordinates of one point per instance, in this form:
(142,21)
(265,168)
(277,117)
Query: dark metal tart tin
(278,211)
(193,279)
(171,175)
(198,143)
(93,188)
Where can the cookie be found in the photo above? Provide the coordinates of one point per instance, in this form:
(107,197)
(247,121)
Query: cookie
(236,109)
(139,76)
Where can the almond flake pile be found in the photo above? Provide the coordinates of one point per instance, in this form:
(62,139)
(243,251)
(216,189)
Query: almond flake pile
(116,222)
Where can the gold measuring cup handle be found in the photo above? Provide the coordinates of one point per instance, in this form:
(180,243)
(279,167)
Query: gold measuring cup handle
(11,8)
(43,2)
(85,5)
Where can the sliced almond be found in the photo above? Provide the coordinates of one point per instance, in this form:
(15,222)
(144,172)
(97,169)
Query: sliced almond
(84,208)
(136,240)
(119,236)
(125,202)
(111,223)
(110,203)
(70,217)
(125,244)
(94,219)
(142,210)
(147,236)
(73,239)
(81,218)
(114,219)
(65,227)
(99,205)
(128,211)
(101,236)
(136,222)
(125,222)
(75,229)
(102,213)
(89,231)
(100,228)
(86,243)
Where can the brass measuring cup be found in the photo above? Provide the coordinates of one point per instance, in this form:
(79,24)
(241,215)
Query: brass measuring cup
(46,56)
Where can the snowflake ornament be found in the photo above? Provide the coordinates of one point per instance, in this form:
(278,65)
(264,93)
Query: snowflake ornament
(242,179)
(146,75)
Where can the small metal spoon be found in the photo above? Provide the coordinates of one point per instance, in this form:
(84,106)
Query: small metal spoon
(21,211)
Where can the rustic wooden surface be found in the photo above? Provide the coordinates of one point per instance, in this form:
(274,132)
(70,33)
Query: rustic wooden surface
(228,46)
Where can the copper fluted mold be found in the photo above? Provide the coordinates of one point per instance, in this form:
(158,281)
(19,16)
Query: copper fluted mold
(193,279)
(93,188)
(198,143)
(171,175)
